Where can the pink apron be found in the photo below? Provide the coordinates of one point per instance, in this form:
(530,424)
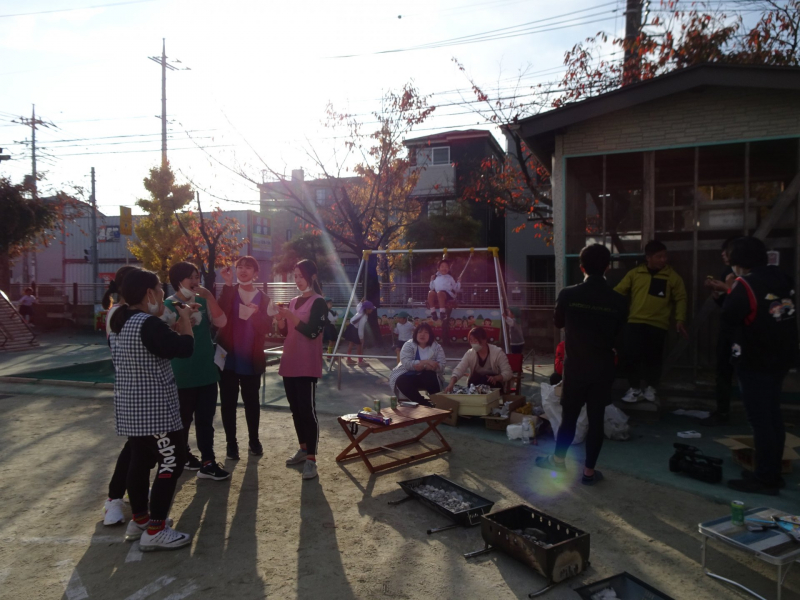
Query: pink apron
(302,357)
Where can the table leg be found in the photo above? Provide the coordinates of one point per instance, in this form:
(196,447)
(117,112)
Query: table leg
(780,581)
(355,443)
(703,553)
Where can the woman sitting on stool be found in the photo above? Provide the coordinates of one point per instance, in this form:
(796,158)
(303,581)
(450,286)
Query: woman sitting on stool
(421,366)
(486,363)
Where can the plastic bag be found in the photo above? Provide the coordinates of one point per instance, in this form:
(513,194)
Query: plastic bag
(615,424)
(514,432)
(552,409)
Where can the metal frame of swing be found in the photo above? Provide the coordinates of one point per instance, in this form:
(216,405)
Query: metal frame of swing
(501,292)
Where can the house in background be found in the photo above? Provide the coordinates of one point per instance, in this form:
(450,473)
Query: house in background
(690,158)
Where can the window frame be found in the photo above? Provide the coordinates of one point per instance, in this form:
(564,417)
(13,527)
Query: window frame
(433,155)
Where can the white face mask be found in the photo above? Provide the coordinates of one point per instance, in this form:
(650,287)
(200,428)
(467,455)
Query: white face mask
(152,309)
(476,347)
(187,293)
(308,289)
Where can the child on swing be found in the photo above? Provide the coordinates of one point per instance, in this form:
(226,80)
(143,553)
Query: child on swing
(443,289)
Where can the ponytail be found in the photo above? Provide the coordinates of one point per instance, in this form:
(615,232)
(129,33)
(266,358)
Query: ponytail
(119,318)
(115,285)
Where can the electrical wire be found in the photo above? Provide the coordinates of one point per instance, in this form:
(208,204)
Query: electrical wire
(60,10)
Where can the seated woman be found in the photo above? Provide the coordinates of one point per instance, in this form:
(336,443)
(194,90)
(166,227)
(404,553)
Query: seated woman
(485,363)
(421,366)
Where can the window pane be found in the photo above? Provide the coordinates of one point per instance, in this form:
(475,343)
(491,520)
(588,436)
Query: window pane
(435,207)
(441,156)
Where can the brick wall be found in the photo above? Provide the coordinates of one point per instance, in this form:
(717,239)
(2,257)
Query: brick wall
(711,115)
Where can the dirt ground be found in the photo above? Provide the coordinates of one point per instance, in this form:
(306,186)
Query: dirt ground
(267,533)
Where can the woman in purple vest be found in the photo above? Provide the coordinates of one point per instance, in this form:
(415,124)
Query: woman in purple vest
(301,364)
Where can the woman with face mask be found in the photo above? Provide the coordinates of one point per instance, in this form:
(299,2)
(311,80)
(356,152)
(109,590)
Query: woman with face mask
(485,363)
(248,312)
(146,407)
(197,376)
(113,509)
(422,363)
(301,364)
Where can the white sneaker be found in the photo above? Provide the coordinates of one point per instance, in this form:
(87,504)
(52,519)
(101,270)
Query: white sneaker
(297,457)
(650,393)
(632,395)
(310,469)
(112,512)
(166,539)
(135,531)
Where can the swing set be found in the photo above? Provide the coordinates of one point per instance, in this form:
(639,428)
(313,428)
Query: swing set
(362,268)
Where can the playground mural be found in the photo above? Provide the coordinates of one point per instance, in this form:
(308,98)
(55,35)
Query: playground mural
(460,322)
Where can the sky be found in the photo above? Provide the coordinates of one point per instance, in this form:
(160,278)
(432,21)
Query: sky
(261,74)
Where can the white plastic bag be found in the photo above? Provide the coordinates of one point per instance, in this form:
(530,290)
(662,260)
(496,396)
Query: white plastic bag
(615,424)
(552,409)
(514,432)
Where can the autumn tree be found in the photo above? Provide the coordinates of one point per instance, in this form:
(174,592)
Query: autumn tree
(159,235)
(678,39)
(210,241)
(368,180)
(28,220)
(309,246)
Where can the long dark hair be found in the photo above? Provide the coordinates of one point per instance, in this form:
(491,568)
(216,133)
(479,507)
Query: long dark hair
(114,284)
(134,289)
(309,270)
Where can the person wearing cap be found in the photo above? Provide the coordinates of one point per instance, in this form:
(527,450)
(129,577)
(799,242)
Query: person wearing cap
(329,332)
(403,330)
(354,333)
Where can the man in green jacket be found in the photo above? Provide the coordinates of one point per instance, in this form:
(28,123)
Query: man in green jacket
(655,290)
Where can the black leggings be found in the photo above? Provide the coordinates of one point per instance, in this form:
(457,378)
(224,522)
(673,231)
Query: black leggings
(229,384)
(168,451)
(411,382)
(200,404)
(301,392)
(595,396)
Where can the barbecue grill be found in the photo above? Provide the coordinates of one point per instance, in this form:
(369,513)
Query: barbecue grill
(465,518)
(556,550)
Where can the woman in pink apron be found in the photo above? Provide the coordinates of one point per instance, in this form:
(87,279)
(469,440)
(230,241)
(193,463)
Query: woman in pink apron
(301,364)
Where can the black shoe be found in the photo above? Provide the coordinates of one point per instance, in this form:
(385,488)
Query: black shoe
(256,449)
(596,478)
(193,463)
(752,486)
(716,419)
(780,483)
(233,451)
(547,462)
(213,470)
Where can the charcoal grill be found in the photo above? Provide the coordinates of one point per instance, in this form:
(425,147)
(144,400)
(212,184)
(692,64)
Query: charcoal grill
(562,553)
(464,518)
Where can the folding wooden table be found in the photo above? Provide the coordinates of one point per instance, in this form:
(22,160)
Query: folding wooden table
(402,416)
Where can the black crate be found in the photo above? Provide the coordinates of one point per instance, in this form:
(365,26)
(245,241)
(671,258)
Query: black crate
(564,552)
(626,586)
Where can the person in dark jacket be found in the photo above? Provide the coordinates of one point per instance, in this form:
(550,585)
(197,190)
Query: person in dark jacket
(719,291)
(249,313)
(760,310)
(592,315)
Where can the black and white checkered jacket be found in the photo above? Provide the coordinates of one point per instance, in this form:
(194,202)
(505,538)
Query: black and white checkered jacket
(145,394)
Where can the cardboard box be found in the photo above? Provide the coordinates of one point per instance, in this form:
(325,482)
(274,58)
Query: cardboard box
(743,451)
(445,403)
(449,402)
(523,411)
(500,423)
(474,405)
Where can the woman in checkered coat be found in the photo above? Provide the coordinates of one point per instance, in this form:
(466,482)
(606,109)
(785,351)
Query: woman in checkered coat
(146,407)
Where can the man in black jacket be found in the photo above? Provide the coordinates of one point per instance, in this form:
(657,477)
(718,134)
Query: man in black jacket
(592,314)
(761,312)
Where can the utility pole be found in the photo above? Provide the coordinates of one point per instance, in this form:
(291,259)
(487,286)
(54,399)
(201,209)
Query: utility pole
(162,60)
(32,123)
(95,269)
(631,71)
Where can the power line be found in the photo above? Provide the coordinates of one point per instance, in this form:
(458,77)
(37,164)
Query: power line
(60,10)
(153,150)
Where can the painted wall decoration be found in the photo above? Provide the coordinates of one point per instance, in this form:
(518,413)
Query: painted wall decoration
(460,322)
